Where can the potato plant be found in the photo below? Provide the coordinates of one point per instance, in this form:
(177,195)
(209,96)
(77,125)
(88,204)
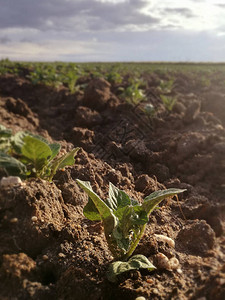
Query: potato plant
(166,86)
(133,94)
(124,220)
(27,155)
(168,101)
(70,79)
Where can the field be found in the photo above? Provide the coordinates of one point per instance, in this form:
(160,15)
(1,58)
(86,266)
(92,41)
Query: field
(143,127)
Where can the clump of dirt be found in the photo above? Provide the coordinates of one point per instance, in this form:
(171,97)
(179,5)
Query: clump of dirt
(47,247)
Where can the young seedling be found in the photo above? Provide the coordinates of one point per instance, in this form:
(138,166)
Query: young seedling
(133,94)
(124,220)
(27,155)
(114,77)
(168,101)
(70,78)
(166,86)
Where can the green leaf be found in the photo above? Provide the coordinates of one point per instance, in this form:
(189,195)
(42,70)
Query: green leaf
(105,213)
(63,161)
(134,263)
(4,132)
(39,137)
(68,158)
(149,204)
(151,201)
(36,151)
(5,138)
(18,141)
(103,209)
(130,222)
(134,215)
(4,144)
(110,224)
(122,242)
(12,165)
(55,149)
(90,211)
(117,198)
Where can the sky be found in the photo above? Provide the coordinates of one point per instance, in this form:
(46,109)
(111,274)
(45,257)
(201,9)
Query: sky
(112,30)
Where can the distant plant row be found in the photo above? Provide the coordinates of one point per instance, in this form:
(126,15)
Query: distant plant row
(67,74)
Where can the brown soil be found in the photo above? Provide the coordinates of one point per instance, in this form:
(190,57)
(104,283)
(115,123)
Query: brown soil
(61,255)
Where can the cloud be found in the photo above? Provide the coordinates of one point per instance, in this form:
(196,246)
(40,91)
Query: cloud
(184,12)
(111,30)
(73,15)
(221,5)
(163,45)
(54,51)
(4,40)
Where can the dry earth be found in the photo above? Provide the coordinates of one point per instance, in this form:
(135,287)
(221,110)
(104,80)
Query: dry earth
(48,250)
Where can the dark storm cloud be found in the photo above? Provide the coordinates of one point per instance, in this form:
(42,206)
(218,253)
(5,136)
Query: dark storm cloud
(72,14)
(184,12)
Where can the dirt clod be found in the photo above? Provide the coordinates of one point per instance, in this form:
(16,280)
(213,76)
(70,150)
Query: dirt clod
(196,238)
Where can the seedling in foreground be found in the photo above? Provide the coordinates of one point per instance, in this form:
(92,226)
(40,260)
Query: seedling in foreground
(124,220)
(27,155)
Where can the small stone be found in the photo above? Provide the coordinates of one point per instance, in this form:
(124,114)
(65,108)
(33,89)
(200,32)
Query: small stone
(174,263)
(149,280)
(45,257)
(179,271)
(140,298)
(61,255)
(14,220)
(162,261)
(34,219)
(155,291)
(165,239)
(10,181)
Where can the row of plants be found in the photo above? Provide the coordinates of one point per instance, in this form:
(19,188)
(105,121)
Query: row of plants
(59,73)
(131,89)
(124,219)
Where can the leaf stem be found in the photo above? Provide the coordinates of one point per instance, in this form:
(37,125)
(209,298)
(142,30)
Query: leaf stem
(135,243)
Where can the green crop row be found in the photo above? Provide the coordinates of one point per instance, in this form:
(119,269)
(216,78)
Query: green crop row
(59,73)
